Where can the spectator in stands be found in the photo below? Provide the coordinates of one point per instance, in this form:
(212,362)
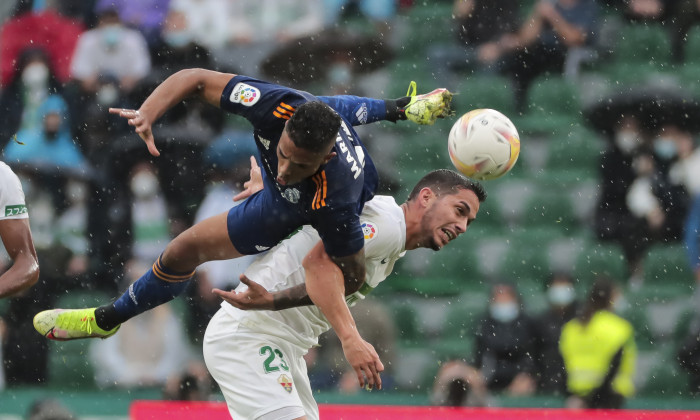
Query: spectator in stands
(206,23)
(147,16)
(503,355)
(381,12)
(146,352)
(111,49)
(541,45)
(641,10)
(179,48)
(375,324)
(480,26)
(258,27)
(599,352)
(45,29)
(30,86)
(149,212)
(561,296)
(227,167)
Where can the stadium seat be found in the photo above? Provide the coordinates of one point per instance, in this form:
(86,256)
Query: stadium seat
(578,150)
(70,366)
(667,276)
(691,49)
(549,208)
(601,259)
(495,92)
(666,379)
(643,44)
(553,103)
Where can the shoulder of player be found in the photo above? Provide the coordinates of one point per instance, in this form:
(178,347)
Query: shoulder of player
(248,91)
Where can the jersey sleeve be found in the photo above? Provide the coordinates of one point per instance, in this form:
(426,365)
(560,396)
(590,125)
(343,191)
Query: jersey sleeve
(12,204)
(263,104)
(357,110)
(339,229)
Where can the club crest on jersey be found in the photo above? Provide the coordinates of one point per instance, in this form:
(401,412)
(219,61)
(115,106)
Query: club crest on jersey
(292,195)
(285,382)
(244,94)
(369,230)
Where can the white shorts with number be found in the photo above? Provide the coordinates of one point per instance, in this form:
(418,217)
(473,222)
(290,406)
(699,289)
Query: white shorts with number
(257,373)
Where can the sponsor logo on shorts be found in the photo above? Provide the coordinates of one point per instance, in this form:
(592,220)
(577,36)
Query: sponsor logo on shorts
(369,230)
(261,248)
(385,260)
(292,195)
(132,295)
(244,94)
(361,114)
(285,382)
(15,210)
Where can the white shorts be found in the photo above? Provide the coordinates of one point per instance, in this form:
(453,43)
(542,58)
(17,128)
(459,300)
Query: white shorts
(257,373)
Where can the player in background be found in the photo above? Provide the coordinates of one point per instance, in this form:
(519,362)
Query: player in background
(315,170)
(16,236)
(256,357)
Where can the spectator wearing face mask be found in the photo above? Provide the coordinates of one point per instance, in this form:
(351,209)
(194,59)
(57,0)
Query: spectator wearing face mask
(561,296)
(599,351)
(149,213)
(111,49)
(502,360)
(32,84)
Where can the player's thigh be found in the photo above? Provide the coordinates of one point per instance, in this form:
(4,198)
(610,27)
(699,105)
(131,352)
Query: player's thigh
(205,241)
(262,221)
(254,373)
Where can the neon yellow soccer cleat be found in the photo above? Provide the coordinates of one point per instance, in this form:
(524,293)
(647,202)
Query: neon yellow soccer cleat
(425,109)
(70,324)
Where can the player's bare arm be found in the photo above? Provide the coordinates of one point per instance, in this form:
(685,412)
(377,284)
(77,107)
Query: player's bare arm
(325,283)
(206,84)
(17,238)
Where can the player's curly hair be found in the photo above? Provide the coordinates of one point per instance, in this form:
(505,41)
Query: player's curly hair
(313,126)
(445,181)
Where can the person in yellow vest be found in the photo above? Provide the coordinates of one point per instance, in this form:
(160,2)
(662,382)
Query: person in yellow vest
(599,352)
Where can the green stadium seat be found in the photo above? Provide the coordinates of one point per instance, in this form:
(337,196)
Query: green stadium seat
(691,49)
(667,275)
(495,92)
(643,44)
(70,366)
(579,150)
(553,105)
(549,208)
(406,321)
(601,259)
(666,379)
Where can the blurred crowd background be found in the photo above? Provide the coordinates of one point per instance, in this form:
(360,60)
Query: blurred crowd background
(604,201)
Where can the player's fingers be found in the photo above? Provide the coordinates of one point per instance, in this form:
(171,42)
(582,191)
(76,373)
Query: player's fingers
(116,110)
(240,196)
(245,280)
(150,143)
(374,378)
(360,377)
(253,162)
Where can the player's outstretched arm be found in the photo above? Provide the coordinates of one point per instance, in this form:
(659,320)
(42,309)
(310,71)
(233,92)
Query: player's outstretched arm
(326,285)
(206,84)
(17,238)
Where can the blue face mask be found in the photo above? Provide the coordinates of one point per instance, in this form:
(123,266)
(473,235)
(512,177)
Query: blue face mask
(504,311)
(177,39)
(665,148)
(111,35)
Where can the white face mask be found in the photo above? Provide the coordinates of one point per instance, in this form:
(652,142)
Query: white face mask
(620,305)
(107,95)
(627,141)
(665,148)
(144,184)
(504,311)
(76,191)
(561,295)
(35,75)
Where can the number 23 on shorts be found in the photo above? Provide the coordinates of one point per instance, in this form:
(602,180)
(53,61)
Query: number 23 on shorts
(270,364)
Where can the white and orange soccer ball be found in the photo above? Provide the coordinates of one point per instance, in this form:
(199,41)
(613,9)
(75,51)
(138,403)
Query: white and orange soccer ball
(483,144)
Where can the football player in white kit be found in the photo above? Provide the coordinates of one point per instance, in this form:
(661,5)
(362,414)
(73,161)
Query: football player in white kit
(256,356)
(16,236)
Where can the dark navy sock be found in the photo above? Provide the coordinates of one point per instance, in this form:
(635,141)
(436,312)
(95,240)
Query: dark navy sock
(157,286)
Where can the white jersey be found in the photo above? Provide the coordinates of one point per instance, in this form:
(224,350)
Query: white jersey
(384,226)
(12,205)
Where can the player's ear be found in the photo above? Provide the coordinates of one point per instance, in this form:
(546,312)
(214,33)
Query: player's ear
(329,156)
(426,195)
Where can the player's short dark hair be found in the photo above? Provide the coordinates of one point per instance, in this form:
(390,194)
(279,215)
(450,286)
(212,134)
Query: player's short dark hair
(313,126)
(445,181)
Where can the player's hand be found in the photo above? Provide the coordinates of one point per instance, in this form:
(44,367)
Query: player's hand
(255,297)
(254,184)
(365,361)
(142,126)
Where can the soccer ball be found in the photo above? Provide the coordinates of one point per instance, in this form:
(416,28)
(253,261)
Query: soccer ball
(483,144)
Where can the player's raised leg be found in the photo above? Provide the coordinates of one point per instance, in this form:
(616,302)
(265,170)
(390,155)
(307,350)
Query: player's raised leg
(169,276)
